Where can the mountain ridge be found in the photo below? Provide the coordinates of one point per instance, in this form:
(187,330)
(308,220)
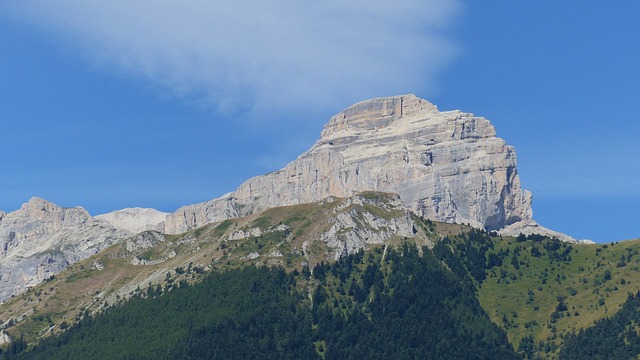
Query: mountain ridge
(445,166)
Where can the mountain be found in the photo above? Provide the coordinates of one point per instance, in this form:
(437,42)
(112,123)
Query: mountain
(40,239)
(537,290)
(446,166)
(385,174)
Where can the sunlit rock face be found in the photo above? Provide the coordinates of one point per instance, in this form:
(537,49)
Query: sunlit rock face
(135,220)
(40,239)
(446,166)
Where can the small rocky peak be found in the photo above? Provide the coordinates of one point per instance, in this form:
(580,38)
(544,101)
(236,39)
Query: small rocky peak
(42,210)
(38,205)
(376,113)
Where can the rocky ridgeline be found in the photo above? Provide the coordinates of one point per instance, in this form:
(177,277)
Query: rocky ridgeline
(446,166)
(40,239)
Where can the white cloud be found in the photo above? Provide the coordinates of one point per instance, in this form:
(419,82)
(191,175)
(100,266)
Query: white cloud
(261,55)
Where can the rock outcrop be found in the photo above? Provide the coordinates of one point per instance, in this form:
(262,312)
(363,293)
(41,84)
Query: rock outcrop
(347,226)
(143,241)
(530,227)
(353,227)
(446,166)
(40,239)
(135,220)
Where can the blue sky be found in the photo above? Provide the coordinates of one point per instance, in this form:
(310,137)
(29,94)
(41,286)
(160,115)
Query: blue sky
(151,104)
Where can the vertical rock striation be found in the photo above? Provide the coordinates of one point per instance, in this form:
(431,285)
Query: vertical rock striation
(446,166)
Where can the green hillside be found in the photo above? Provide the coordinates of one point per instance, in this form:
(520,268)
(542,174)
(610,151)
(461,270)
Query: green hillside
(399,303)
(540,290)
(610,338)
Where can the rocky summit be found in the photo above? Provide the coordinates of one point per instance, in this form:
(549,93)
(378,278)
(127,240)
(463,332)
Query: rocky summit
(40,239)
(445,165)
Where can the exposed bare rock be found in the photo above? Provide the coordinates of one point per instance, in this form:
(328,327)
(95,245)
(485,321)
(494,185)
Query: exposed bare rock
(446,166)
(4,338)
(244,234)
(143,241)
(531,227)
(253,255)
(255,232)
(135,220)
(40,239)
(355,225)
(275,254)
(193,216)
(140,261)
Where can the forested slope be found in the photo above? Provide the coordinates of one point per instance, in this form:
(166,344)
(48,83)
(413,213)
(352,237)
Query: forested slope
(610,338)
(401,303)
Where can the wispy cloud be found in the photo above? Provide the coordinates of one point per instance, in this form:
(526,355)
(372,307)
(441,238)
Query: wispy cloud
(260,55)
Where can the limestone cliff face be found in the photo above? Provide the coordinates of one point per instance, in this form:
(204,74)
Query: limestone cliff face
(446,166)
(40,239)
